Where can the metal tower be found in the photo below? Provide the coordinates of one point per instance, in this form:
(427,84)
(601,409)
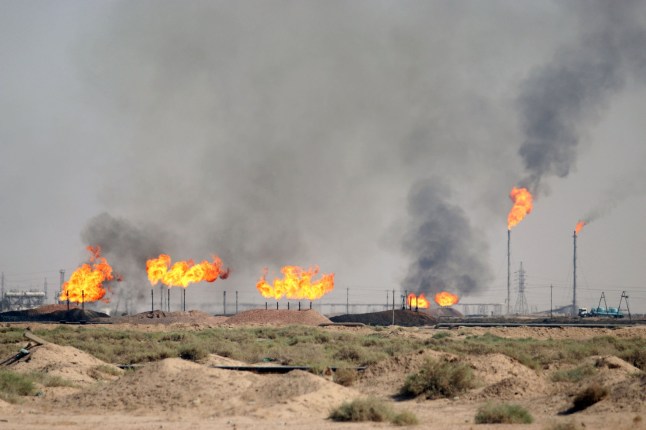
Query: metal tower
(508,270)
(575,308)
(521,306)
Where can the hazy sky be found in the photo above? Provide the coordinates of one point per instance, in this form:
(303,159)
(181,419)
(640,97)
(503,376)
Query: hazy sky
(376,139)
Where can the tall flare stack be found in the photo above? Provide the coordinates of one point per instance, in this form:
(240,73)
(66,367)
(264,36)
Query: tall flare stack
(577,229)
(508,269)
(574,307)
(523,204)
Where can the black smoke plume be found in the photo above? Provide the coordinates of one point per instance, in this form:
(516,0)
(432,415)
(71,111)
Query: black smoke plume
(126,247)
(559,99)
(447,253)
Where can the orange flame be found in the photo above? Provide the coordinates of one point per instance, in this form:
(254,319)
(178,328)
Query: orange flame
(86,283)
(445,298)
(296,284)
(183,273)
(579,226)
(417,301)
(523,205)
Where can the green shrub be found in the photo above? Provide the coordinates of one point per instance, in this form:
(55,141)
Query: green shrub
(588,397)
(371,409)
(345,376)
(405,418)
(636,357)
(441,335)
(193,352)
(48,380)
(438,379)
(502,413)
(349,353)
(574,375)
(14,384)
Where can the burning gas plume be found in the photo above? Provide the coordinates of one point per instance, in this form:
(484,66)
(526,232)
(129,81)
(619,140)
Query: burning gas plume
(579,226)
(183,273)
(523,204)
(419,301)
(444,298)
(86,283)
(297,283)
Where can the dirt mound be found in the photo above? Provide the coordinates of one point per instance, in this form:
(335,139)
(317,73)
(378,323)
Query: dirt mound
(387,377)
(218,360)
(67,362)
(278,317)
(445,312)
(176,385)
(579,333)
(630,392)
(53,313)
(160,317)
(402,317)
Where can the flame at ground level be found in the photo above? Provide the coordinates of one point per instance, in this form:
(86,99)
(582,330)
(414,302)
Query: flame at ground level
(445,298)
(417,301)
(183,273)
(297,283)
(86,283)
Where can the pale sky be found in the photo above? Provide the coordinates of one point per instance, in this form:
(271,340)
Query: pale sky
(376,139)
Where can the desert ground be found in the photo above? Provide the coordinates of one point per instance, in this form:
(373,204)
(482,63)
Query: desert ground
(177,393)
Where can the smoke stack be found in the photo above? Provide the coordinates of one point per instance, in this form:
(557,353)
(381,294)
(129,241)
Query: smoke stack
(508,269)
(574,307)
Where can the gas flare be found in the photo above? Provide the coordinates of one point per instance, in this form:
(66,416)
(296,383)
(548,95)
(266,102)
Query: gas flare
(297,283)
(444,298)
(183,273)
(417,301)
(523,205)
(86,283)
(579,226)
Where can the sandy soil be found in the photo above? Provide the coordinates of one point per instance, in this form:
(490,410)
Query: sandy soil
(178,394)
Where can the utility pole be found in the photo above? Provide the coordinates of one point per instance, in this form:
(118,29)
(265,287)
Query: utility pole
(45,290)
(393,307)
(224,302)
(236,301)
(60,293)
(347,301)
(551,306)
(2,298)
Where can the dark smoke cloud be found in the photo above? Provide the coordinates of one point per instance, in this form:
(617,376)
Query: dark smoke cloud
(448,253)
(127,247)
(562,97)
(274,133)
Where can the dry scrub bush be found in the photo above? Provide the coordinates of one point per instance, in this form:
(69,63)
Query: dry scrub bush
(371,409)
(503,413)
(574,375)
(193,352)
(13,385)
(438,378)
(345,377)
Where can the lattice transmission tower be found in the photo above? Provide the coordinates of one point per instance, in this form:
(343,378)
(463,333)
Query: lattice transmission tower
(521,307)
